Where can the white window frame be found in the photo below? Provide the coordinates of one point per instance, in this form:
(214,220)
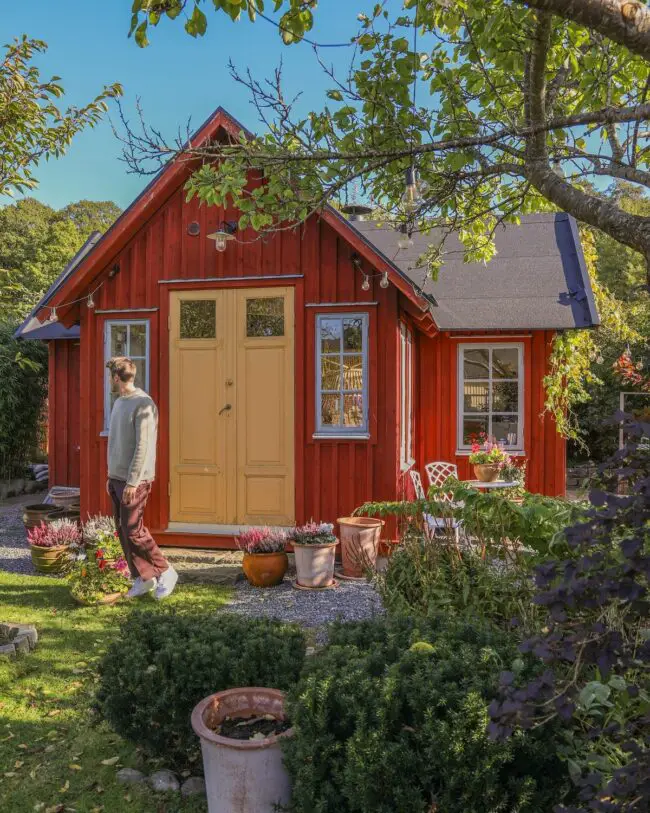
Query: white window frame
(407,363)
(108,324)
(460,411)
(325,430)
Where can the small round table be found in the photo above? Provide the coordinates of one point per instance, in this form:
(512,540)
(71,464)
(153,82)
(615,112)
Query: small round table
(493,484)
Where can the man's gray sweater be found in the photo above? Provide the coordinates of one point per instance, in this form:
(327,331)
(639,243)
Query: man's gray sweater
(132,439)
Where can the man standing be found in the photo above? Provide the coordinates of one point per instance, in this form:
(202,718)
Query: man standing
(131,471)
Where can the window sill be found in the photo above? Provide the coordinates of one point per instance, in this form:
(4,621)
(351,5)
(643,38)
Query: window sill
(511,452)
(340,436)
(103,433)
(407,466)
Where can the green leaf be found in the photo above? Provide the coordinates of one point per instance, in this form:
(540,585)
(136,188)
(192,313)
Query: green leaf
(141,35)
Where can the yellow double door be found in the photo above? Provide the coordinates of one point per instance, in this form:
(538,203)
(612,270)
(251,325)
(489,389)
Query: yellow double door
(232,406)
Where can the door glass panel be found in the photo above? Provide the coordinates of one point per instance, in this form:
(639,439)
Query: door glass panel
(330,335)
(505,396)
(330,373)
(475,397)
(352,335)
(138,341)
(477,364)
(119,336)
(331,410)
(265,316)
(353,410)
(505,362)
(198,319)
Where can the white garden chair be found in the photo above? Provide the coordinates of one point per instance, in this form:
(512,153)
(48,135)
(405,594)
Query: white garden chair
(434,523)
(439,472)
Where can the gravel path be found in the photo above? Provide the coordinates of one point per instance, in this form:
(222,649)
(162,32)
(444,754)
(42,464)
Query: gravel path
(351,601)
(14,551)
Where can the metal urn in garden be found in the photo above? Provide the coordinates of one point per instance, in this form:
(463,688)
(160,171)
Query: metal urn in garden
(314,548)
(359,544)
(265,561)
(488,459)
(243,774)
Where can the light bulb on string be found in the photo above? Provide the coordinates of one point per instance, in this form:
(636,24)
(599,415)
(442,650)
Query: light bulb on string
(90,302)
(53,316)
(411,194)
(404,240)
(365,285)
(383,282)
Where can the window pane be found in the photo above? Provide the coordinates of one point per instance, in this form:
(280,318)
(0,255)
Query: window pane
(504,427)
(475,398)
(473,426)
(141,374)
(353,410)
(330,378)
(505,396)
(352,335)
(331,410)
(265,316)
(505,362)
(198,319)
(352,372)
(138,340)
(119,336)
(330,335)
(476,364)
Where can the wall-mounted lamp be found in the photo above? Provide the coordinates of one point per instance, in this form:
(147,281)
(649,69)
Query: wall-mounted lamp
(225,232)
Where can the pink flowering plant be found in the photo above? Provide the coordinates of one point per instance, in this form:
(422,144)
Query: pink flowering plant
(262,540)
(61,533)
(489,453)
(99,570)
(313,533)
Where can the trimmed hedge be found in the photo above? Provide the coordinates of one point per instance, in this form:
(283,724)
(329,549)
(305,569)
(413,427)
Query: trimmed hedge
(391,718)
(162,664)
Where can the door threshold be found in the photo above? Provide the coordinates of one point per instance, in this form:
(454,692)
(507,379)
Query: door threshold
(212,529)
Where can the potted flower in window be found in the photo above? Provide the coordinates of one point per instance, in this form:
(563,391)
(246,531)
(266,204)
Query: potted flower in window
(100,575)
(488,460)
(265,561)
(51,545)
(314,547)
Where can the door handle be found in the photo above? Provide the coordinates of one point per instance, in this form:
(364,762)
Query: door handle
(225,408)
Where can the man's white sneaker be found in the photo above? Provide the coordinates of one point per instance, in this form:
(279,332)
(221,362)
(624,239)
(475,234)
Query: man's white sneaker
(166,583)
(141,588)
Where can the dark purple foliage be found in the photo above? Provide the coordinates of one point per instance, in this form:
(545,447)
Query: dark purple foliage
(606,577)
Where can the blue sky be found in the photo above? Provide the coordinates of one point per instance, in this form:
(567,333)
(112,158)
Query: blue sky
(175,77)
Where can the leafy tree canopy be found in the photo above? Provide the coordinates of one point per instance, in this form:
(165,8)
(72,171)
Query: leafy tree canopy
(501,106)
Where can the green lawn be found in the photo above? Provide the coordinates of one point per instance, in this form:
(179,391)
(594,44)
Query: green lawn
(52,745)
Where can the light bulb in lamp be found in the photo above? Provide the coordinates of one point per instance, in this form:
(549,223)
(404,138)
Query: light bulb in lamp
(405,241)
(225,233)
(411,194)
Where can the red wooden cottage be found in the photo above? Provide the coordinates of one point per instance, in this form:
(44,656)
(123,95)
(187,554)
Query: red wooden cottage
(301,375)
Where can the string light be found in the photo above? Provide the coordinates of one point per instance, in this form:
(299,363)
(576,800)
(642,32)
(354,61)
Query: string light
(383,282)
(53,316)
(365,285)
(90,302)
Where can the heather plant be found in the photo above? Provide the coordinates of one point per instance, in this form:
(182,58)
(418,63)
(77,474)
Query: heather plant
(594,644)
(391,717)
(96,526)
(313,533)
(262,540)
(162,664)
(61,532)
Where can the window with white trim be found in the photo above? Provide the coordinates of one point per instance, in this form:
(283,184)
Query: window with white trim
(406,396)
(342,374)
(490,394)
(126,338)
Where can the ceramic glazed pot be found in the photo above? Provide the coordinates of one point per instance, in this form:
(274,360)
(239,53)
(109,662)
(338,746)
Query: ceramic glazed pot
(49,560)
(70,513)
(33,515)
(485,472)
(246,775)
(108,598)
(359,543)
(64,497)
(315,564)
(265,569)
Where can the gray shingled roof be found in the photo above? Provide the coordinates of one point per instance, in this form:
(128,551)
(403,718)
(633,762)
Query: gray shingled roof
(537,280)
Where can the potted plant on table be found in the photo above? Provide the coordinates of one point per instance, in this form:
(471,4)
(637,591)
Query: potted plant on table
(52,545)
(314,547)
(265,561)
(488,460)
(99,575)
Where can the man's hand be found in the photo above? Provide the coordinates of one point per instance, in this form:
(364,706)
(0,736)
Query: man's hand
(128,494)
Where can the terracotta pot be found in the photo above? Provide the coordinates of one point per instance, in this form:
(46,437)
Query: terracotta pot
(55,513)
(64,497)
(359,543)
(50,560)
(315,564)
(246,775)
(33,515)
(75,516)
(486,473)
(265,569)
(108,598)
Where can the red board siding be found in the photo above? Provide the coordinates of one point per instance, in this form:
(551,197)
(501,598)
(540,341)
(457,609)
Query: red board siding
(64,413)
(544,448)
(332,476)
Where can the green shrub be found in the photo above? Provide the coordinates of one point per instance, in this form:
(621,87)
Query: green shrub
(162,664)
(391,718)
